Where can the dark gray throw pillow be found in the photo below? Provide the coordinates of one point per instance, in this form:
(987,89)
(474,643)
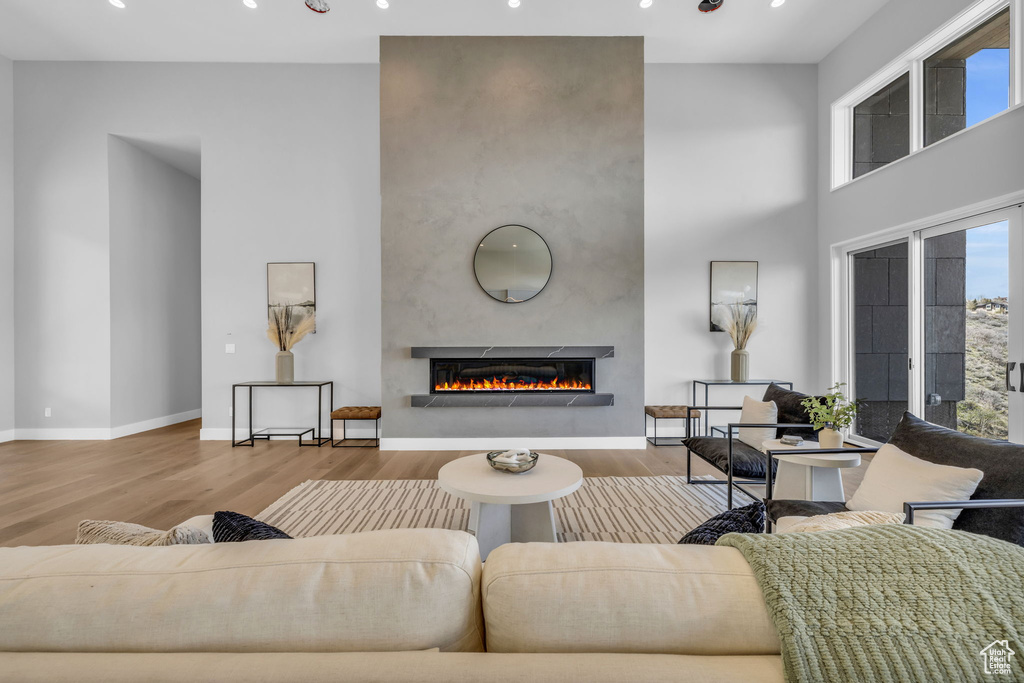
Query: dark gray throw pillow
(229,527)
(1001,461)
(791,411)
(744,520)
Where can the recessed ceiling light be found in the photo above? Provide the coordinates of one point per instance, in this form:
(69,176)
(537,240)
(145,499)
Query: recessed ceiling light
(644,4)
(117,3)
(319,6)
(513,3)
(383,4)
(251,4)
(778,3)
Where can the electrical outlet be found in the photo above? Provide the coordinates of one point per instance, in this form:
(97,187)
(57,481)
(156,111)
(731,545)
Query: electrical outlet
(229,348)
(47,412)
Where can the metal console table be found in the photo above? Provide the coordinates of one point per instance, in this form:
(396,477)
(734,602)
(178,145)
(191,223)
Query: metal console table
(318,438)
(708,383)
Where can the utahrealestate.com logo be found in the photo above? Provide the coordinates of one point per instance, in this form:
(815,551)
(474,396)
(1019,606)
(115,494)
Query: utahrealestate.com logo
(998,657)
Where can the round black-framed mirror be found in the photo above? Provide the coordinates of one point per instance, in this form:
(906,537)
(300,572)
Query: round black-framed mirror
(512,264)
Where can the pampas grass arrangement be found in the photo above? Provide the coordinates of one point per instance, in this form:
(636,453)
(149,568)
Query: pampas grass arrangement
(289,324)
(739,321)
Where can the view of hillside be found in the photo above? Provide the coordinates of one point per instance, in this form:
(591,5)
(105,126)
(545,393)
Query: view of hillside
(984,412)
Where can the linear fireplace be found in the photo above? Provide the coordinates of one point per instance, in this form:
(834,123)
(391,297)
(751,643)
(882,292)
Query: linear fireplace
(533,375)
(512,376)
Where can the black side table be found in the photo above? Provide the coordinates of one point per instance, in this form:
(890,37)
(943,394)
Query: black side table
(708,383)
(318,438)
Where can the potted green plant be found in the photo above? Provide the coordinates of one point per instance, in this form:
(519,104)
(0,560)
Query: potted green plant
(831,414)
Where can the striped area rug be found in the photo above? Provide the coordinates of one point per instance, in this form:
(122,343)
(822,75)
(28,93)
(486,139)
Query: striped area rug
(617,509)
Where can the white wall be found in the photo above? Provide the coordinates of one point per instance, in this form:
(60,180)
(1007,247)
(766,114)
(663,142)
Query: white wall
(290,173)
(731,166)
(6,247)
(977,165)
(155,306)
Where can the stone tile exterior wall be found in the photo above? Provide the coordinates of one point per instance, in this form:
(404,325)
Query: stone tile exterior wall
(945,98)
(881,127)
(881,333)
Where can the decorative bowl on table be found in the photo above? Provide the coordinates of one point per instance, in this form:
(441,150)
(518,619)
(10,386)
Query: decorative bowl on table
(512,462)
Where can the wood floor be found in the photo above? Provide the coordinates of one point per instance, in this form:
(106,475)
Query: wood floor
(162,477)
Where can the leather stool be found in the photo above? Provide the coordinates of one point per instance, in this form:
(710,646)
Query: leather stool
(356,413)
(670,413)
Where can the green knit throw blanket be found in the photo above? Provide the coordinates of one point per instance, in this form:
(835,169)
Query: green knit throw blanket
(889,602)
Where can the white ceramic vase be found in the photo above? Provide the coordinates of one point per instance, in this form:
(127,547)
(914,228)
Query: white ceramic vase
(830,438)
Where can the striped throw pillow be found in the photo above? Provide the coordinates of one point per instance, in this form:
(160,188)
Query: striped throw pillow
(229,527)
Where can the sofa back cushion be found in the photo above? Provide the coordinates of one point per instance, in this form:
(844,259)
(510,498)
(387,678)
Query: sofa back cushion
(381,591)
(790,411)
(1001,461)
(628,598)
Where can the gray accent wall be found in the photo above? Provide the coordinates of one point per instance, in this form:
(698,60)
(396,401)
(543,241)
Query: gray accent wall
(6,246)
(476,133)
(155,309)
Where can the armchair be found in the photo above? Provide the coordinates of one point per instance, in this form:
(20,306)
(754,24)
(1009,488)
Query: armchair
(742,464)
(997,506)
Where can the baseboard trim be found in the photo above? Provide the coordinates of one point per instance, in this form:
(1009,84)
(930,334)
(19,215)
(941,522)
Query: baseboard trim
(64,434)
(155,423)
(7,435)
(629,443)
(100,433)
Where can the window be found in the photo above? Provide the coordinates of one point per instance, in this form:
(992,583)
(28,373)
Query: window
(964,73)
(929,323)
(968,80)
(880,339)
(881,127)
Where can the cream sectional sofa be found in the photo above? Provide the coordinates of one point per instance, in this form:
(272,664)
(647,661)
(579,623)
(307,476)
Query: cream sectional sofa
(404,605)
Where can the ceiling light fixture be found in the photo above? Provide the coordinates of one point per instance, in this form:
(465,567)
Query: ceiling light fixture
(318,6)
(778,3)
(251,4)
(513,3)
(644,4)
(709,5)
(383,4)
(117,3)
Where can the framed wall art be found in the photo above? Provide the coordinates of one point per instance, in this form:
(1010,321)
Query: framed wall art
(732,282)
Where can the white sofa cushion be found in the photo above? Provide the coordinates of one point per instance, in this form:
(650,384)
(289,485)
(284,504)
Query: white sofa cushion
(758,412)
(895,477)
(407,589)
(615,597)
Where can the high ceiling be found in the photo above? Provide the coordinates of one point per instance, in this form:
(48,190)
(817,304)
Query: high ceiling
(742,31)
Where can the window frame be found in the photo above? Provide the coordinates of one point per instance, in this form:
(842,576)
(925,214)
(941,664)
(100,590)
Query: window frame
(912,61)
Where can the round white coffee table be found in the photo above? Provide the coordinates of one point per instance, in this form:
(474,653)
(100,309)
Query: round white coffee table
(510,507)
(809,476)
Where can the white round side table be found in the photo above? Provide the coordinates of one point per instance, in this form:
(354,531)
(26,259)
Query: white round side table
(809,476)
(509,508)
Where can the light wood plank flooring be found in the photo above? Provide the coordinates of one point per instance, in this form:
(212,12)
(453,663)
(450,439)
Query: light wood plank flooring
(162,477)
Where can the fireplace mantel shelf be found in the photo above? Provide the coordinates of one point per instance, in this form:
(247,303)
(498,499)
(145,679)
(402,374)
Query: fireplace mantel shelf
(511,400)
(513,352)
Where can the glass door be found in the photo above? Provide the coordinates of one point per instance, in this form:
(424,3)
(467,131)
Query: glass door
(880,343)
(971,341)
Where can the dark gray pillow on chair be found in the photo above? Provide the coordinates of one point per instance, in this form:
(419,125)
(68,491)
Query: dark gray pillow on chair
(1001,461)
(791,411)
(744,520)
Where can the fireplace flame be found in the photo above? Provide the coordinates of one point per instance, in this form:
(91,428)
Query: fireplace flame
(496,384)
